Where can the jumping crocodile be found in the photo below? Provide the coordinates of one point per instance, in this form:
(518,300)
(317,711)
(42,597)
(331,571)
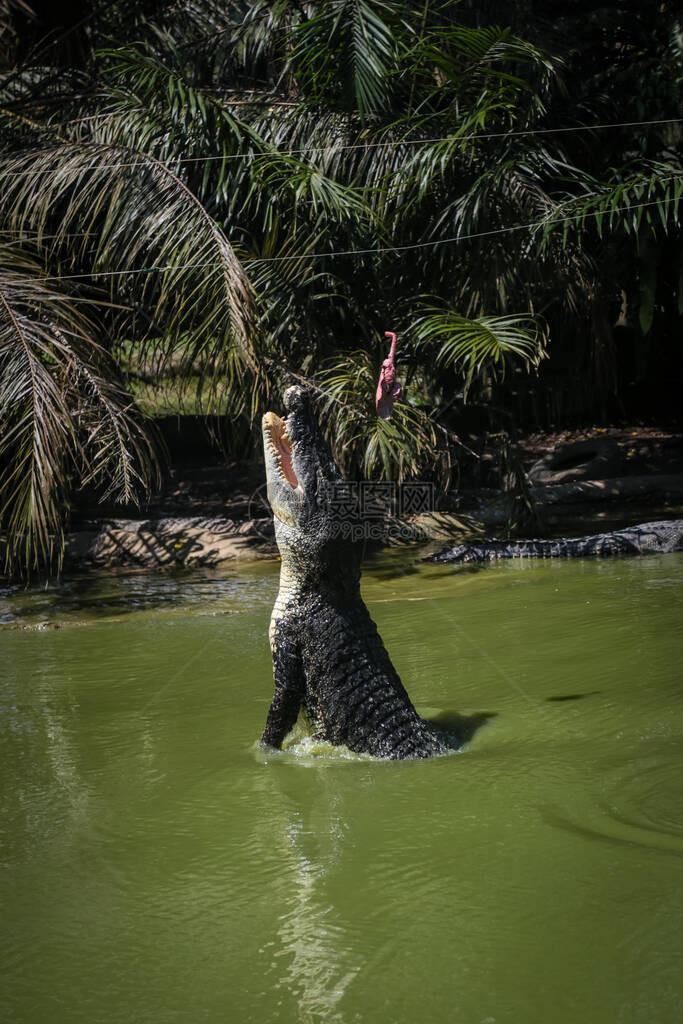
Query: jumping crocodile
(328,657)
(648,538)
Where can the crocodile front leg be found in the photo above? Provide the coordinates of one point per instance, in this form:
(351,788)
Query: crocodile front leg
(289,686)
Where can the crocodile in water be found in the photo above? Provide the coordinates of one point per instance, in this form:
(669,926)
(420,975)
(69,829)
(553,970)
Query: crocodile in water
(648,538)
(328,658)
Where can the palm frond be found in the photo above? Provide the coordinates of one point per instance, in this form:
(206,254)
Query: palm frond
(11,12)
(395,449)
(63,417)
(295,184)
(348,48)
(641,199)
(138,223)
(155,103)
(471,346)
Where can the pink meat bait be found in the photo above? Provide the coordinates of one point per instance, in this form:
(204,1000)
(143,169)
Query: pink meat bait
(388,388)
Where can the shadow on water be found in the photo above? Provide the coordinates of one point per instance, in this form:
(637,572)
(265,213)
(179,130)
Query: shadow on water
(457,729)
(572,696)
(384,564)
(389,564)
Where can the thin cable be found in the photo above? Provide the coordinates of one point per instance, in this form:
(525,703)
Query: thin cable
(32,235)
(445,138)
(454,238)
(368,145)
(348,252)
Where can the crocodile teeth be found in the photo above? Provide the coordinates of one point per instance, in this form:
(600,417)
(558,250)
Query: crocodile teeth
(281,446)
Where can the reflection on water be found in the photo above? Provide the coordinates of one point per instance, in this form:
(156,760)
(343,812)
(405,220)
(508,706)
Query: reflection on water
(313,961)
(91,596)
(157,866)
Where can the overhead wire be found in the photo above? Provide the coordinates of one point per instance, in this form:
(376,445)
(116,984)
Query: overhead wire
(225,157)
(249,261)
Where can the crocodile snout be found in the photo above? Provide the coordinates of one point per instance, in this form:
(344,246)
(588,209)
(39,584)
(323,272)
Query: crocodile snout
(296,398)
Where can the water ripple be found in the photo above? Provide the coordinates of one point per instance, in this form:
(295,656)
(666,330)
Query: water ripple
(642,805)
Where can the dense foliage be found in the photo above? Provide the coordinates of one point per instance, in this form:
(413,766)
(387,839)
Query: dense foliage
(247,195)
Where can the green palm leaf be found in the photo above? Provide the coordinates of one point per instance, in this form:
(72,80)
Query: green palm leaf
(139,224)
(645,198)
(63,416)
(404,446)
(349,47)
(483,343)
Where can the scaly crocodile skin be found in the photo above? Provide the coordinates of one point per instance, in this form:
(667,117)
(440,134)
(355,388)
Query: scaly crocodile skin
(648,538)
(328,658)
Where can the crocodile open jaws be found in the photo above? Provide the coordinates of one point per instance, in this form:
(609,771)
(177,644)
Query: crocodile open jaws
(328,658)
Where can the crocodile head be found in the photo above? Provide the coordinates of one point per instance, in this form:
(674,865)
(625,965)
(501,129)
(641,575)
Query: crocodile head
(300,474)
(315,546)
(299,467)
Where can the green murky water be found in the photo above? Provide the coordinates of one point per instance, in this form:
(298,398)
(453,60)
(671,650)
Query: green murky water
(156,867)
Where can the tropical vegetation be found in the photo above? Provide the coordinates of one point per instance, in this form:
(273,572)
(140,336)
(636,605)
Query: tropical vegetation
(238,196)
